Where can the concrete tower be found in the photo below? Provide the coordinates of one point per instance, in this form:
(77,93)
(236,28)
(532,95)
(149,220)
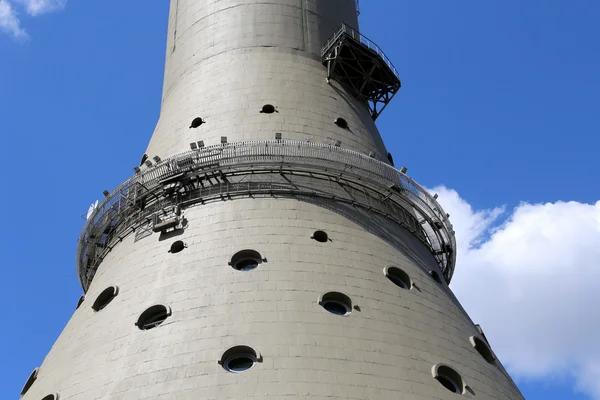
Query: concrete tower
(266,247)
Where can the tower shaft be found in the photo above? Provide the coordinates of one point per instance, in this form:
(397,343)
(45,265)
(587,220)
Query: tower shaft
(266,246)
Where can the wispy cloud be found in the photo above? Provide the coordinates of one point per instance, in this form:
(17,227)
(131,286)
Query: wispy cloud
(39,7)
(9,21)
(531,277)
(9,17)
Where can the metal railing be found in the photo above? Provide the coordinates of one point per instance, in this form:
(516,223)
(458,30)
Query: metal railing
(345,30)
(118,211)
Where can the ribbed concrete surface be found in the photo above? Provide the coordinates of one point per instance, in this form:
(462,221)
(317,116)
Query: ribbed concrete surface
(225,60)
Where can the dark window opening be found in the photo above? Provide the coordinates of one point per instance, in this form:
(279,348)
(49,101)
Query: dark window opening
(153,317)
(196,122)
(246,260)
(341,122)
(177,246)
(320,236)
(105,298)
(268,109)
(30,380)
(337,303)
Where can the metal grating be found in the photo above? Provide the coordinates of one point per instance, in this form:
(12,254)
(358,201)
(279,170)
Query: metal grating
(265,168)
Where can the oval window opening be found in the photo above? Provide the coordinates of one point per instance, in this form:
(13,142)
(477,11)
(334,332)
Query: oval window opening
(336,303)
(196,122)
(448,384)
(399,277)
(483,349)
(239,359)
(268,109)
(80,302)
(320,236)
(239,363)
(177,246)
(30,380)
(153,317)
(341,122)
(449,378)
(435,276)
(246,260)
(144,158)
(105,298)
(51,397)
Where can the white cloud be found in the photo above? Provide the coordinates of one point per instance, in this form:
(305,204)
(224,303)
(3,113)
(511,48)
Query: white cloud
(39,7)
(533,283)
(9,21)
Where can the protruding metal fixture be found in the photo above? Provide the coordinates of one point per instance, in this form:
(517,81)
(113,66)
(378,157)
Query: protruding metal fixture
(268,109)
(197,122)
(338,143)
(106,193)
(223,139)
(193,146)
(156,159)
(136,170)
(403,170)
(278,136)
(361,67)
(435,196)
(148,163)
(201,144)
(372,154)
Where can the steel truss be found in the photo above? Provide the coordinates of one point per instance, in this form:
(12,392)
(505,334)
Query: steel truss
(361,67)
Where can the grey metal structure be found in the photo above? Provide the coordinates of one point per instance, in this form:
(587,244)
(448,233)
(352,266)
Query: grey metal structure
(266,247)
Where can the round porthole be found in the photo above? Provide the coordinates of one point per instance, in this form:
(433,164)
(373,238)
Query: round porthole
(51,397)
(341,122)
(239,359)
(30,381)
(105,298)
(268,109)
(80,302)
(153,317)
(398,277)
(246,260)
(196,122)
(320,236)
(177,246)
(435,276)
(448,378)
(336,303)
(483,349)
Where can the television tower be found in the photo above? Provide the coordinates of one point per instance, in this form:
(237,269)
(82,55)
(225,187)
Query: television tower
(266,246)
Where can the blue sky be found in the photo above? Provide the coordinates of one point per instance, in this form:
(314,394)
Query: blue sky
(498,113)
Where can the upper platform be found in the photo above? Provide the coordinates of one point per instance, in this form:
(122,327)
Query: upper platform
(361,67)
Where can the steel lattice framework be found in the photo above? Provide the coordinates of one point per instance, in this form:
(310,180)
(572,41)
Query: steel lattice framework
(277,168)
(361,67)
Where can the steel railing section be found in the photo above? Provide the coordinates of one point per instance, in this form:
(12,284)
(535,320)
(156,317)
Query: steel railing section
(345,30)
(120,211)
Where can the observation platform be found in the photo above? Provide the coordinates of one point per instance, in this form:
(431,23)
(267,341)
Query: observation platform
(152,200)
(361,67)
